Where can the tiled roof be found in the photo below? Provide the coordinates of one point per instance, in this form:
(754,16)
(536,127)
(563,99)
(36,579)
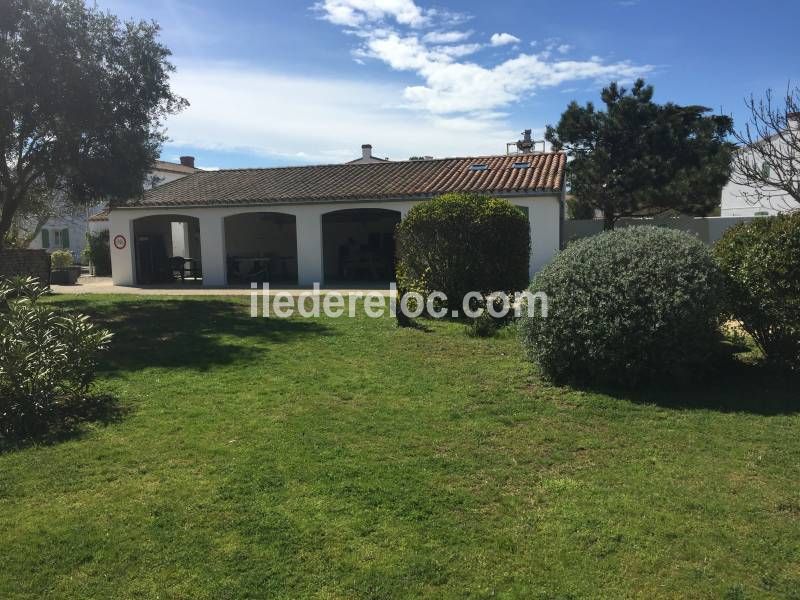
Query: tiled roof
(375,181)
(101,216)
(162,165)
(371,159)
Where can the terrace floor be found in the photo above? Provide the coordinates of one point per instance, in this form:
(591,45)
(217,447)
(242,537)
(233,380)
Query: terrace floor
(104,285)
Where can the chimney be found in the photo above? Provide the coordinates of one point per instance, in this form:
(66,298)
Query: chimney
(366,151)
(525,145)
(187,161)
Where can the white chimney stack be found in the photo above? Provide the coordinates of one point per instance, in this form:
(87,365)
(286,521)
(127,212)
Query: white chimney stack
(366,151)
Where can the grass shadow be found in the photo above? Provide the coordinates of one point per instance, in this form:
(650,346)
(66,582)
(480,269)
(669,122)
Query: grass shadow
(415,324)
(191,333)
(67,422)
(731,384)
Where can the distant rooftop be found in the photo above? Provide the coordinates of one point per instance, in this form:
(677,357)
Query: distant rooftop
(185,166)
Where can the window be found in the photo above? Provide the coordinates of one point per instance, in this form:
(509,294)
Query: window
(45,238)
(56,238)
(521,165)
(765,170)
(479,167)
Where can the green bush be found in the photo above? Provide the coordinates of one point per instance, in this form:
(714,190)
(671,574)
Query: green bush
(625,306)
(47,359)
(761,262)
(98,253)
(61,259)
(483,326)
(459,243)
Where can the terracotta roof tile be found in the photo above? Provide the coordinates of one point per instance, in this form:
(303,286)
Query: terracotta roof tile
(162,165)
(100,216)
(375,181)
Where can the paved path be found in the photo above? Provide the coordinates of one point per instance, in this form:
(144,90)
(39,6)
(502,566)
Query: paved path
(104,285)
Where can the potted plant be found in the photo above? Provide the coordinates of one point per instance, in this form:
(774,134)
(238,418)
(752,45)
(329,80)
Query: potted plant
(63,271)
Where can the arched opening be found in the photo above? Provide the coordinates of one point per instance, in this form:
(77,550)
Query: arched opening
(261,247)
(358,245)
(167,249)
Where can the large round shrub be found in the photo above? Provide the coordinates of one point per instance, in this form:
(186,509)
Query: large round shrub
(625,306)
(761,261)
(459,243)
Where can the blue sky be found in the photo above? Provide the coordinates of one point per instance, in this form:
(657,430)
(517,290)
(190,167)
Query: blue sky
(298,82)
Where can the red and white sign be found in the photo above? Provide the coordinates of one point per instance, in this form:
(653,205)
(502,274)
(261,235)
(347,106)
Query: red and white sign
(120,242)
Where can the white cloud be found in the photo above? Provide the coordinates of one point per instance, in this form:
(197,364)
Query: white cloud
(308,120)
(446,37)
(353,13)
(458,50)
(452,84)
(501,39)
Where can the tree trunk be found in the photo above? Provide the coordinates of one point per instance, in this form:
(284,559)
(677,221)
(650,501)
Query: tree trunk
(9,206)
(608,220)
(5,225)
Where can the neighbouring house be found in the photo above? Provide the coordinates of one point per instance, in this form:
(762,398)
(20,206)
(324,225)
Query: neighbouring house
(332,224)
(68,231)
(741,201)
(65,232)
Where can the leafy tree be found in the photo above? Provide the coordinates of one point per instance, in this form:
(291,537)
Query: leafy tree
(768,162)
(82,101)
(32,216)
(760,260)
(640,156)
(578,210)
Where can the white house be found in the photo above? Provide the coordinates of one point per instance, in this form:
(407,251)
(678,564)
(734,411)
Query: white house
(68,231)
(330,224)
(742,200)
(65,232)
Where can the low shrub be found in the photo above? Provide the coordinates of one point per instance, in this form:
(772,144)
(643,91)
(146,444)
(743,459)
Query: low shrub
(46,358)
(483,326)
(98,253)
(61,259)
(626,306)
(459,243)
(761,262)
(17,287)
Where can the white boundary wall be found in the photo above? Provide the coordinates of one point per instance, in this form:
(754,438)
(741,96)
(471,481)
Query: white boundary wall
(543,216)
(708,229)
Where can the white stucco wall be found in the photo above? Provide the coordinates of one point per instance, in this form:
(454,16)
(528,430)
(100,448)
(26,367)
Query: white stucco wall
(98,226)
(543,214)
(742,201)
(735,203)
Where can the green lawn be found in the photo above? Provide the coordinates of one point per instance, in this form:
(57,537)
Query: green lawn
(346,458)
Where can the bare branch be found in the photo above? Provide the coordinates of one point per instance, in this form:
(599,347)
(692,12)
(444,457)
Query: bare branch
(767,163)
